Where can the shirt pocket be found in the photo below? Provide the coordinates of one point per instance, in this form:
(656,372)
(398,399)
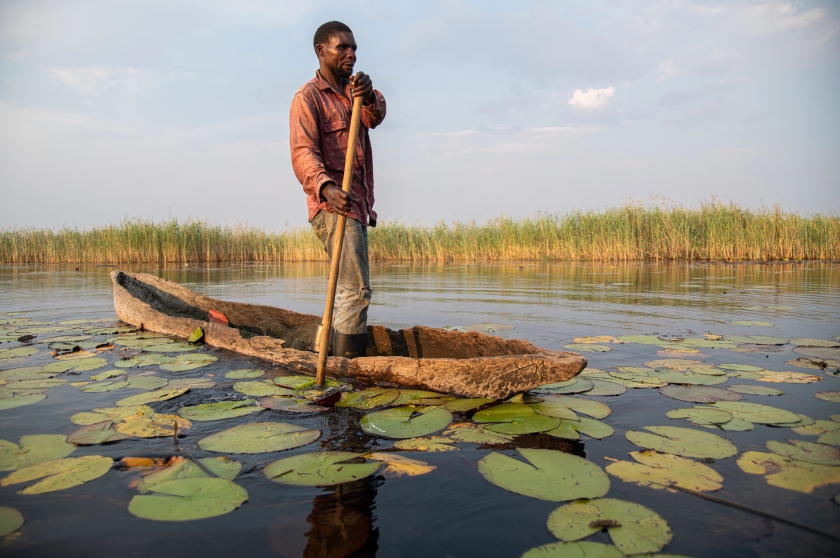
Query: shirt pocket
(335,143)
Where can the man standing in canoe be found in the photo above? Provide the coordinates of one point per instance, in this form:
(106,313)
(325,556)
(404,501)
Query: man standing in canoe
(319,123)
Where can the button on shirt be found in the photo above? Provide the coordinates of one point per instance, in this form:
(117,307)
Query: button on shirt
(319,125)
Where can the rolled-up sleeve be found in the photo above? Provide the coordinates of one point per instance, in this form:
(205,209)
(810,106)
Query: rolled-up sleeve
(307,159)
(374,113)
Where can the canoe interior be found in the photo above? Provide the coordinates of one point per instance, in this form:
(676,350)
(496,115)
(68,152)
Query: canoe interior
(297,329)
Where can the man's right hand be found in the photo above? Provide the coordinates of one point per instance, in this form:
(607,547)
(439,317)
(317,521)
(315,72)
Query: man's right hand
(341,201)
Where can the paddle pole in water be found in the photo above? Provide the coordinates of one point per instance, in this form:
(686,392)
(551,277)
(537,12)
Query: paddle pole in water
(335,260)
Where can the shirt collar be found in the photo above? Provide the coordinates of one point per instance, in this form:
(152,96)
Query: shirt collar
(323,84)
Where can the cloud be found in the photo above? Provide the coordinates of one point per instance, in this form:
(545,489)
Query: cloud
(775,16)
(593,98)
(666,70)
(94,79)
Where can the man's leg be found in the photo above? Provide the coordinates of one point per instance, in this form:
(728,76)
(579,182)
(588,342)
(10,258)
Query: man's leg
(354,292)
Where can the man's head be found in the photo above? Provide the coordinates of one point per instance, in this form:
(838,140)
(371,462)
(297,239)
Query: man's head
(336,48)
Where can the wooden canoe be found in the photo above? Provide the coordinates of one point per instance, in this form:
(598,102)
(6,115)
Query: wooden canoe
(469,364)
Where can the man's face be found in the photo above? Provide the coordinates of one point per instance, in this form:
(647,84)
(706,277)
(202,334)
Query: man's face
(338,54)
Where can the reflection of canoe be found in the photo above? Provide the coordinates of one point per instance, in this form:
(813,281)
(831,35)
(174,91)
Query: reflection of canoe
(470,364)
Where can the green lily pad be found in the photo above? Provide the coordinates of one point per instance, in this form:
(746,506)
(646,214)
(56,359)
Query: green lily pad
(687,378)
(186,469)
(637,380)
(734,425)
(60,474)
(584,549)
(564,430)
(810,452)
(109,413)
(223,467)
(406,422)
(660,470)
(828,353)
(603,388)
(756,340)
(701,416)
(633,528)
(196,336)
(791,474)
(586,348)
(68,346)
(10,521)
(644,340)
(415,397)
(594,409)
(757,413)
(741,367)
(192,383)
(833,396)
(43,383)
(143,360)
(320,469)
(686,442)
(699,394)
(464,405)
(19,352)
(679,364)
(245,374)
(261,389)
(26,373)
(829,366)
(220,410)
(431,444)
(575,385)
(182,363)
(368,398)
(108,374)
(188,499)
(548,475)
(33,449)
(754,390)
(172,347)
(151,397)
(141,342)
(84,365)
(301,382)
(103,387)
(259,437)
(290,405)
(571,430)
(97,433)
(147,382)
(151,425)
(810,342)
(554,409)
(515,418)
(707,344)
(471,434)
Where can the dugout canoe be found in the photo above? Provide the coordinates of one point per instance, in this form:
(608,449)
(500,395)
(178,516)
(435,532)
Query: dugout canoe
(469,364)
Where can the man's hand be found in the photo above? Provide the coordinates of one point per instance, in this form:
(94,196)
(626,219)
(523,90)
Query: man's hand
(363,87)
(341,201)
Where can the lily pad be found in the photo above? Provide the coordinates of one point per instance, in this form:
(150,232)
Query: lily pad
(603,388)
(368,398)
(586,348)
(833,396)
(575,385)
(791,474)
(701,416)
(97,433)
(686,442)
(196,336)
(787,377)
(570,429)
(810,452)
(660,470)
(151,425)
(60,474)
(147,382)
(84,365)
(182,363)
(223,467)
(734,425)
(583,549)
(26,373)
(188,499)
(810,342)
(108,413)
(290,405)
(143,360)
(431,444)
(245,374)
(687,378)
(151,397)
(754,390)
(832,353)
(594,409)
(471,434)
(260,389)
(548,475)
(597,339)
(752,323)
(398,466)
(10,521)
(320,469)
(19,352)
(172,347)
(192,383)
(633,528)
(416,397)
(757,413)
(464,405)
(33,449)
(515,418)
(108,374)
(699,394)
(220,410)
(259,437)
(756,340)
(741,367)
(552,408)
(406,422)
(103,387)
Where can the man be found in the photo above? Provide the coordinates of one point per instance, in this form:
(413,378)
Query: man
(319,124)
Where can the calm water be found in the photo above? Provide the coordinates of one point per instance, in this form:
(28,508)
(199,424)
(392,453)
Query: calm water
(452,511)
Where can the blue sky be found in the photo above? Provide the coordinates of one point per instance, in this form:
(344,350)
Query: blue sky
(179,108)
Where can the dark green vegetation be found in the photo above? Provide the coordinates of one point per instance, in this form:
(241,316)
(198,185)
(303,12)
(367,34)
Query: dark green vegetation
(715,231)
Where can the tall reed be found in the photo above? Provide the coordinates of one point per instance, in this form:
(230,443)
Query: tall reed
(714,231)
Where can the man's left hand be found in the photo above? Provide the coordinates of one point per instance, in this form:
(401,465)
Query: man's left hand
(362,87)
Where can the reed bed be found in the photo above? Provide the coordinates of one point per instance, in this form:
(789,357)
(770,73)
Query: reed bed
(714,231)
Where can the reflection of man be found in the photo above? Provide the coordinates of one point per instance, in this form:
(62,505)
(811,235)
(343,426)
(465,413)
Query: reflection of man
(319,123)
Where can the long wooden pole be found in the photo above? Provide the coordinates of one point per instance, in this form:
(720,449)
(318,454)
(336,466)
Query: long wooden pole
(335,261)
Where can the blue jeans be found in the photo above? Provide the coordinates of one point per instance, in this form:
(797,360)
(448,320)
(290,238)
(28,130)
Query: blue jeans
(353,294)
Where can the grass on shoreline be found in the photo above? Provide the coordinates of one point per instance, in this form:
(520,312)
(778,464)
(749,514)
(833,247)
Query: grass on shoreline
(715,231)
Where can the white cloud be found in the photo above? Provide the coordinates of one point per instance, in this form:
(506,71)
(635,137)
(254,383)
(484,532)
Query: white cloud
(666,70)
(593,98)
(777,16)
(94,79)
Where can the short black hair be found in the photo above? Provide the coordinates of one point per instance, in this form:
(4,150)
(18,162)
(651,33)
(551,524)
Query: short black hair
(327,30)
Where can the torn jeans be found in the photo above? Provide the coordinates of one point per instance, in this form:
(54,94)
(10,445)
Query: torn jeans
(353,294)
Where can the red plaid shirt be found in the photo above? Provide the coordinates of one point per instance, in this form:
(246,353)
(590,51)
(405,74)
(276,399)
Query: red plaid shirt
(319,126)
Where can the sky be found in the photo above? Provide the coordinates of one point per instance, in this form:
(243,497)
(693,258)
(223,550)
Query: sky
(159,109)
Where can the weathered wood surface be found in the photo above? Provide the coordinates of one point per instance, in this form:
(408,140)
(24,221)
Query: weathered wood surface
(469,364)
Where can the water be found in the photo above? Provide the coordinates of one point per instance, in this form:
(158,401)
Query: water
(452,511)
